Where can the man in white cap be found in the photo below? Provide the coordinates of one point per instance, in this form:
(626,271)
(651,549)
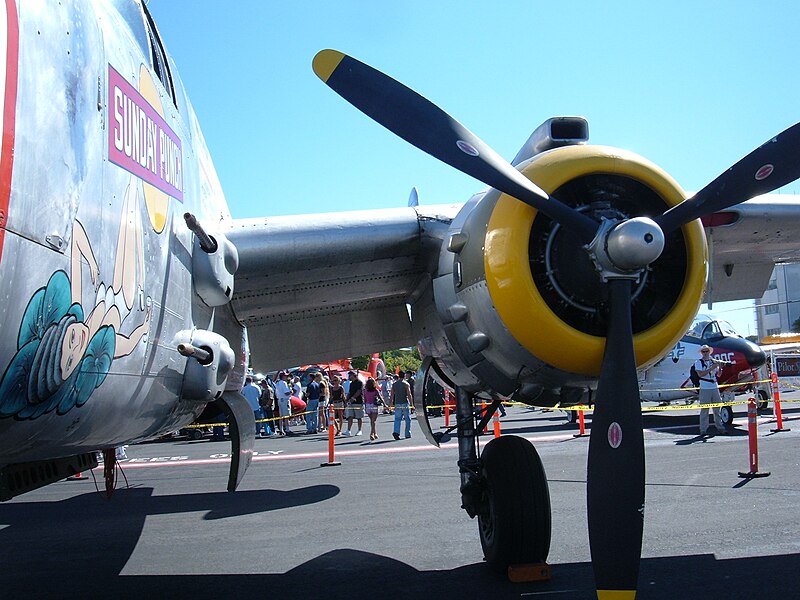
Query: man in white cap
(707,369)
(283,395)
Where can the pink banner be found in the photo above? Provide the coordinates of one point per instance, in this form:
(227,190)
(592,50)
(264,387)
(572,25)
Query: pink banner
(140,141)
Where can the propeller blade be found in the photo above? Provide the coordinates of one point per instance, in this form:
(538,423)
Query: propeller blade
(423,124)
(768,167)
(615,472)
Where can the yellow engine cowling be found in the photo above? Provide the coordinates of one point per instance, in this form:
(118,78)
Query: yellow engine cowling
(531,310)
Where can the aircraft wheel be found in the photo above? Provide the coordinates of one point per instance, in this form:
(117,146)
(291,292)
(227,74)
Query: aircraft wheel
(726,414)
(515,529)
(194,434)
(763,400)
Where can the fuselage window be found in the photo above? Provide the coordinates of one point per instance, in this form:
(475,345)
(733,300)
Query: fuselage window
(712,331)
(160,63)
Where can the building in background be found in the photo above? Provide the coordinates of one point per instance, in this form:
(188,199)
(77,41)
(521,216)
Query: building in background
(779,307)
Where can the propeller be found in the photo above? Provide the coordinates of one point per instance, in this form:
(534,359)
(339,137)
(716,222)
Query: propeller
(423,124)
(615,468)
(768,167)
(620,250)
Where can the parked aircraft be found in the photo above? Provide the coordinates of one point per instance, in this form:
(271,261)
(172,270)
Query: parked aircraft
(341,367)
(132,298)
(558,288)
(668,379)
(116,313)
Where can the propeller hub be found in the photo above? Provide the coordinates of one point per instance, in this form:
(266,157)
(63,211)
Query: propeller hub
(635,243)
(622,249)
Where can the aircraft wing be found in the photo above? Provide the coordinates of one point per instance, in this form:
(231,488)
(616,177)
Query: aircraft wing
(328,286)
(332,285)
(746,240)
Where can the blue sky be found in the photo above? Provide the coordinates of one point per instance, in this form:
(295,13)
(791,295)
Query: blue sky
(692,86)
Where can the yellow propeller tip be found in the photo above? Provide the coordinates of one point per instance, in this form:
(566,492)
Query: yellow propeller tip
(325,63)
(616,594)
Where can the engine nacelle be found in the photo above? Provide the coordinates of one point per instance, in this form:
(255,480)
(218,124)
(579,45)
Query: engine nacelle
(520,313)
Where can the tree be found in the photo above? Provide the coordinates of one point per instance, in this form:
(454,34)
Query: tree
(796,325)
(406,359)
(360,362)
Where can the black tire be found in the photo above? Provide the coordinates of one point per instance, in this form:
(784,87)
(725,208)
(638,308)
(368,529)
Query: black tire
(195,434)
(516,527)
(726,414)
(763,400)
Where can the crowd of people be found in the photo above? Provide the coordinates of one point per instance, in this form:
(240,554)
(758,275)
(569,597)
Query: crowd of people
(282,404)
(278,405)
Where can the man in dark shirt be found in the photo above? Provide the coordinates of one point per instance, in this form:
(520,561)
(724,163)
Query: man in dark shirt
(267,401)
(402,400)
(354,403)
(312,406)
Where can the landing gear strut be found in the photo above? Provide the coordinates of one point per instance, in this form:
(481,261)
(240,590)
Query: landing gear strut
(506,488)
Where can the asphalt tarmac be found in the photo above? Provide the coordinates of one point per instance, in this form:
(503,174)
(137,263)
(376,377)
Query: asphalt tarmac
(387,523)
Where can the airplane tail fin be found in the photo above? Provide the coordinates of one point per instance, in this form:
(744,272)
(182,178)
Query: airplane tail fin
(413,197)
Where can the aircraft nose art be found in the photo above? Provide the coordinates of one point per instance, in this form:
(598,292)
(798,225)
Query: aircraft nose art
(142,142)
(9,26)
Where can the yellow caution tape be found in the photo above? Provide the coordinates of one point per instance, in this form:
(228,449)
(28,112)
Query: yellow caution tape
(584,408)
(721,385)
(293,415)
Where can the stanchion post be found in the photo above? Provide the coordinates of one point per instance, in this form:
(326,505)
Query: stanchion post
(581,425)
(752,434)
(776,398)
(447,410)
(109,468)
(496,424)
(331,434)
(483,412)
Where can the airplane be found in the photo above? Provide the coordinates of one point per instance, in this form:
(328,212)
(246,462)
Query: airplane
(133,298)
(376,368)
(668,379)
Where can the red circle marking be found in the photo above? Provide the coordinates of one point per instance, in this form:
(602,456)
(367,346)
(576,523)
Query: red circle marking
(764,172)
(614,435)
(467,148)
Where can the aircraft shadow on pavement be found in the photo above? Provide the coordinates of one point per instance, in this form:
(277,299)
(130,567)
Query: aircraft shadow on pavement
(357,575)
(54,540)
